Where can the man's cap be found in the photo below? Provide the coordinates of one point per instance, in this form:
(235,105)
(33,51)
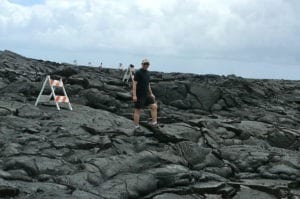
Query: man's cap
(145,61)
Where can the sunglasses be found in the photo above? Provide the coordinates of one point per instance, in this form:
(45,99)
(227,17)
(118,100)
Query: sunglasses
(146,64)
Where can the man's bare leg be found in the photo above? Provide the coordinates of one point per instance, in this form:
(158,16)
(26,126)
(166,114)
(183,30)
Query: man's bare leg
(136,116)
(153,108)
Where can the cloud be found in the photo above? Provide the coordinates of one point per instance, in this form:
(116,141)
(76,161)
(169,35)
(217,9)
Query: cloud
(248,30)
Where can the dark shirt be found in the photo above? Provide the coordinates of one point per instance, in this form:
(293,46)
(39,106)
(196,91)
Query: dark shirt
(142,77)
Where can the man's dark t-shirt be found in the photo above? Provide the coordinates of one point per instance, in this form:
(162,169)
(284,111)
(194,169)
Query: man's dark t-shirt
(142,77)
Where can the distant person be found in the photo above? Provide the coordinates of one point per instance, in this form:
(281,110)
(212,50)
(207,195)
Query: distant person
(121,67)
(100,66)
(142,94)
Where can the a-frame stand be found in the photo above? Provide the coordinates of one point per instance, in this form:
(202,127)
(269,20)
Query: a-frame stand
(128,74)
(57,99)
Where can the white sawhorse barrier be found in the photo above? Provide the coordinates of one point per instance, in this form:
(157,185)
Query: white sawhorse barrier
(57,99)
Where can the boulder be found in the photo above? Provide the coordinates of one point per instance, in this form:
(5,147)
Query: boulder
(207,96)
(30,111)
(247,193)
(66,72)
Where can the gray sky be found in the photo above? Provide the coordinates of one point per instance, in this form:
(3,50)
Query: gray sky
(249,38)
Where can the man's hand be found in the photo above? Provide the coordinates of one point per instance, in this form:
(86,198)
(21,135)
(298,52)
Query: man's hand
(134,98)
(153,96)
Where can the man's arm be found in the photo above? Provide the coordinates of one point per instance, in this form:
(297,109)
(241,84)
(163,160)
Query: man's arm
(150,91)
(134,91)
(134,85)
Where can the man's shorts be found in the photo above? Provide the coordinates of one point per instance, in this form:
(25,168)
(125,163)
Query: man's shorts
(143,102)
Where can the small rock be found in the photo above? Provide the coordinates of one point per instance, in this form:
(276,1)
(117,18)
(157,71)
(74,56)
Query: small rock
(247,193)
(30,111)
(8,191)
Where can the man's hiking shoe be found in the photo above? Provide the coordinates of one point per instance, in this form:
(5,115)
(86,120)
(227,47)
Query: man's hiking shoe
(151,125)
(138,130)
(154,124)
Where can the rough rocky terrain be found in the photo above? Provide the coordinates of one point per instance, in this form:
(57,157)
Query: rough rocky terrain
(222,137)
